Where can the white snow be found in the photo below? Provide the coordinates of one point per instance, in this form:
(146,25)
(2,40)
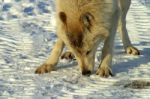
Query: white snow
(27,37)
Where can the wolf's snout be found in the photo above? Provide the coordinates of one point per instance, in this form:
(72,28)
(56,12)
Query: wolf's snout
(86,72)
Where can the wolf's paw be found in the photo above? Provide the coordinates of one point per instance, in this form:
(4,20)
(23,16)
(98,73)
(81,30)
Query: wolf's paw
(67,55)
(132,50)
(104,72)
(45,68)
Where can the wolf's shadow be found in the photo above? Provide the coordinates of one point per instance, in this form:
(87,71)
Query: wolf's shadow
(132,63)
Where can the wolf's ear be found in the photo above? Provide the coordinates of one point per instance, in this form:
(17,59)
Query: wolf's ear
(87,20)
(63,17)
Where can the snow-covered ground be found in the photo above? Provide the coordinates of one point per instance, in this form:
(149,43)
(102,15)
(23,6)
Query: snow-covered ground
(27,34)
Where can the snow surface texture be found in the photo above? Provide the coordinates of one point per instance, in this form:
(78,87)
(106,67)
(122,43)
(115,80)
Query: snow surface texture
(27,34)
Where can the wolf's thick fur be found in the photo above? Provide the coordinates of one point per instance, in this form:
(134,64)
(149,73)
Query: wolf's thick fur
(82,25)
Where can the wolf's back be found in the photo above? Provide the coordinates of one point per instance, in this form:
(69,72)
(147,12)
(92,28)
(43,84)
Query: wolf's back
(75,8)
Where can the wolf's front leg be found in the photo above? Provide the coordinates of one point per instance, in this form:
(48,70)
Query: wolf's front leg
(104,69)
(50,63)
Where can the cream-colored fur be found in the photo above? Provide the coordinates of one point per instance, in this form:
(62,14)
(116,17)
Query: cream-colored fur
(82,25)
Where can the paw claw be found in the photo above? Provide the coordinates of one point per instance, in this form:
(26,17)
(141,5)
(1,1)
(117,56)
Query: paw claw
(67,55)
(104,72)
(45,68)
(132,50)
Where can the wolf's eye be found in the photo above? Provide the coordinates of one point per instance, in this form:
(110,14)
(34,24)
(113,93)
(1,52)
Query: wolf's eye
(87,20)
(88,52)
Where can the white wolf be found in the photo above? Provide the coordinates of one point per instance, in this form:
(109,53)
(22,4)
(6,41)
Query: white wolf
(81,26)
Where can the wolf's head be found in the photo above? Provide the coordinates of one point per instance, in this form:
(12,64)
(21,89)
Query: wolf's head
(83,38)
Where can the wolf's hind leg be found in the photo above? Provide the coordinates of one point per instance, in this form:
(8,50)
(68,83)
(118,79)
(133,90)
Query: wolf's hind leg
(68,55)
(52,60)
(129,48)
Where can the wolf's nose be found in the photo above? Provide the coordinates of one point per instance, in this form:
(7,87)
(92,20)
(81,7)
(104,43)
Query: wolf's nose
(86,72)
